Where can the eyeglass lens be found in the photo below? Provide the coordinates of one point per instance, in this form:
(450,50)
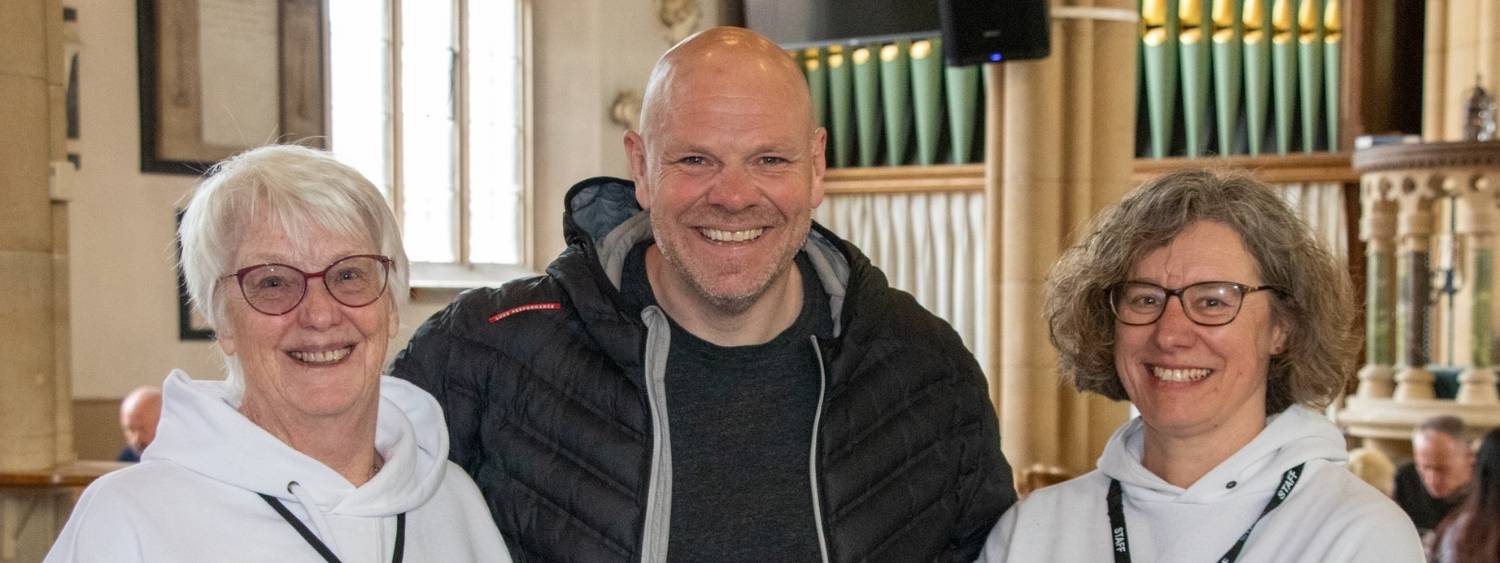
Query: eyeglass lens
(275,289)
(1208,303)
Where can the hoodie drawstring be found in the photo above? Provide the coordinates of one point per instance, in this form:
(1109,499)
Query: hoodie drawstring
(319,521)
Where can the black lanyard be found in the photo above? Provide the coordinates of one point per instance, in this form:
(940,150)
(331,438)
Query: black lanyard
(1121,545)
(323,548)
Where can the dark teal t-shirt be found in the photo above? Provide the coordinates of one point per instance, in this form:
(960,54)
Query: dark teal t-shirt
(741,422)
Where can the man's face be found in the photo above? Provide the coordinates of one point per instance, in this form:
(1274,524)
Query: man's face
(1445,464)
(731,169)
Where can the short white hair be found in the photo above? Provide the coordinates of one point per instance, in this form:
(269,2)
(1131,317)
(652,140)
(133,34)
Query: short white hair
(299,189)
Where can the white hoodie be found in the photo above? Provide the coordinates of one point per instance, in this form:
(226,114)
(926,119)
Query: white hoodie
(193,497)
(1331,516)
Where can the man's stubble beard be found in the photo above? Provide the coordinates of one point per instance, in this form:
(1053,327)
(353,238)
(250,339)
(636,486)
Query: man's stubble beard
(734,304)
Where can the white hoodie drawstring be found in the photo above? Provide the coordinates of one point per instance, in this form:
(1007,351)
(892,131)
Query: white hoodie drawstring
(319,521)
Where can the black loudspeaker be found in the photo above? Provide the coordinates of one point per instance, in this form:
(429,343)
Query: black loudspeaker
(992,31)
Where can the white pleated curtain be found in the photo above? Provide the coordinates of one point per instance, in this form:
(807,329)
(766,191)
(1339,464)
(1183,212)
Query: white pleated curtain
(1322,207)
(930,245)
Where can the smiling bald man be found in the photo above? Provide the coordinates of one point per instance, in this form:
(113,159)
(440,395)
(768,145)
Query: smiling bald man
(707,374)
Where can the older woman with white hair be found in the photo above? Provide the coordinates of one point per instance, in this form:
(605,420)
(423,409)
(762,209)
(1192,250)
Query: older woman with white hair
(305,452)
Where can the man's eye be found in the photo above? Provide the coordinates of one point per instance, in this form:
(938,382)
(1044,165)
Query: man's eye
(773,160)
(693,160)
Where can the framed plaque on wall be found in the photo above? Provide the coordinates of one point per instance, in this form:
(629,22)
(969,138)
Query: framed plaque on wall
(218,77)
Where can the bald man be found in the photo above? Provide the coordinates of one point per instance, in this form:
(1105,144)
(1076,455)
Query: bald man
(139,413)
(707,375)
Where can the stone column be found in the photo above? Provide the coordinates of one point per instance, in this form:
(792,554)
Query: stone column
(62,335)
(31,87)
(1051,162)
(30,69)
(1413,233)
(1377,227)
(1030,201)
(1475,229)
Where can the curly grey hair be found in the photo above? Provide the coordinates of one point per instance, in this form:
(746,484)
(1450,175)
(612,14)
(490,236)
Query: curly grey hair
(1314,298)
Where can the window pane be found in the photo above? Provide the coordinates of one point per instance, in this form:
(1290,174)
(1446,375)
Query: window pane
(494,133)
(429,161)
(359,46)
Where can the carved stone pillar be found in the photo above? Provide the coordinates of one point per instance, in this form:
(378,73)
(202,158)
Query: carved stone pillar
(1413,279)
(1377,227)
(1401,186)
(1476,215)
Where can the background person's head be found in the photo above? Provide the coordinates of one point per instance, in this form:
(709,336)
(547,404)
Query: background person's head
(730,164)
(1442,455)
(302,210)
(139,413)
(1196,226)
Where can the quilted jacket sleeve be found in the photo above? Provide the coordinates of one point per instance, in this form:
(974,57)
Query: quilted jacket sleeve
(429,362)
(987,489)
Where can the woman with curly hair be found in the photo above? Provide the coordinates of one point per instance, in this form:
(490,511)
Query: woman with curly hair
(1206,302)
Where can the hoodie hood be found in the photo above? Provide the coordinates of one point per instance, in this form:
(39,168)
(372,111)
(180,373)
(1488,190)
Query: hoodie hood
(1294,436)
(202,430)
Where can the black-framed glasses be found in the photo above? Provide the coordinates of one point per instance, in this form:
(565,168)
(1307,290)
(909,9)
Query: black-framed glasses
(276,289)
(1211,303)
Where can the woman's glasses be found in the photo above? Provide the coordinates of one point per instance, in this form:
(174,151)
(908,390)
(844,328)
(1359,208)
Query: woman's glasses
(1211,303)
(276,289)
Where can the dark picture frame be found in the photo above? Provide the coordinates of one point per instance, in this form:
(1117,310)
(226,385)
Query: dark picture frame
(190,325)
(175,120)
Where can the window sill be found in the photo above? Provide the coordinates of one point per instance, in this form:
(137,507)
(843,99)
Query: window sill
(427,275)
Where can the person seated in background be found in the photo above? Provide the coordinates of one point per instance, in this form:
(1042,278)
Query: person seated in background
(1436,479)
(138,415)
(1209,305)
(305,452)
(1471,533)
(1374,468)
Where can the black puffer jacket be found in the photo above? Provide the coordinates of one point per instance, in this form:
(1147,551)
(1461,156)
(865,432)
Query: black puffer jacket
(553,391)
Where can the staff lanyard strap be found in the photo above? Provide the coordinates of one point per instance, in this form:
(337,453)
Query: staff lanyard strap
(1121,544)
(317,544)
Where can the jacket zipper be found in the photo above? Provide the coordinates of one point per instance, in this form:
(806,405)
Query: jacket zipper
(812,457)
(658,518)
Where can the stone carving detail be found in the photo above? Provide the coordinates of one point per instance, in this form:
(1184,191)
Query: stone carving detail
(626,110)
(680,17)
(1427,208)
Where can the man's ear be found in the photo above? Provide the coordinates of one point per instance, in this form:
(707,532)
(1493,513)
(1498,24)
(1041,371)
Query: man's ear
(820,164)
(635,153)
